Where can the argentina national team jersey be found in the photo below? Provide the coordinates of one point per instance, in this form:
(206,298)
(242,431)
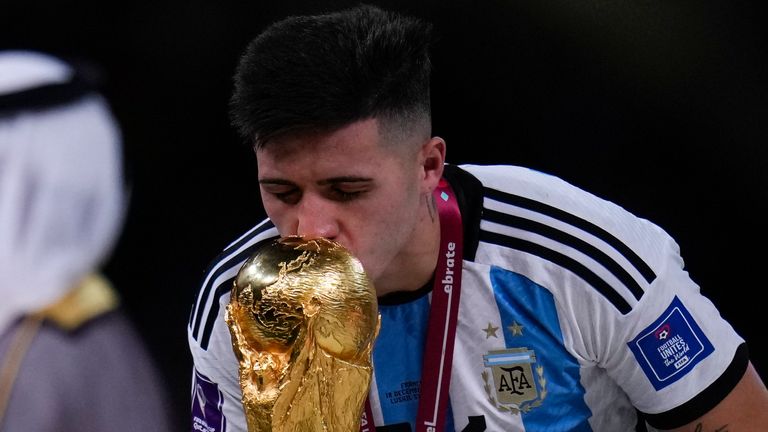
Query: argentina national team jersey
(574,315)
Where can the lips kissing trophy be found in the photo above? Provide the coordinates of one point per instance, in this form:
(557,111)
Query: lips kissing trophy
(303,319)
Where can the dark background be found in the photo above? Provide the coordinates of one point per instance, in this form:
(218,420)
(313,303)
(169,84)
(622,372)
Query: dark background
(659,106)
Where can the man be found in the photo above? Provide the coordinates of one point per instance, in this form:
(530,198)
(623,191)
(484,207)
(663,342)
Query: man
(568,313)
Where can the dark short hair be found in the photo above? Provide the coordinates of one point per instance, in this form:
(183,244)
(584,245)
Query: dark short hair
(322,72)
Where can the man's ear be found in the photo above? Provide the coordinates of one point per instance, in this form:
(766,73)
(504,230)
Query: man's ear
(432,160)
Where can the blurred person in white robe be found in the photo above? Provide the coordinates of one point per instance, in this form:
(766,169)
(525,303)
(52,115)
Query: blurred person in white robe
(70,358)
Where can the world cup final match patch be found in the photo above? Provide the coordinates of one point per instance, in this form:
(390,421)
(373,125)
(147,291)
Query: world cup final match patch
(670,347)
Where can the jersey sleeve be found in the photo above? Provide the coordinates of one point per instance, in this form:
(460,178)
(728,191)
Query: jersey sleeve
(673,353)
(216,395)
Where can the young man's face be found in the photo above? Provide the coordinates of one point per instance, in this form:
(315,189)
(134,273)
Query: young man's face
(347,186)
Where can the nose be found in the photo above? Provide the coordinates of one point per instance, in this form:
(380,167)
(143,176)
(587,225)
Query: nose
(316,217)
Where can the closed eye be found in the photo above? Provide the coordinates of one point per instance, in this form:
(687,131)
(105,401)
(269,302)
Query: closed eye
(348,188)
(342,195)
(288,197)
(282,190)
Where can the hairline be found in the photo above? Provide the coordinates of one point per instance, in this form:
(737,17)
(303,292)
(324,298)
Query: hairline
(392,129)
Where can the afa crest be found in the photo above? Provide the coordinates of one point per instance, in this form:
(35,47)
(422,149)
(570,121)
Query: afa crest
(517,384)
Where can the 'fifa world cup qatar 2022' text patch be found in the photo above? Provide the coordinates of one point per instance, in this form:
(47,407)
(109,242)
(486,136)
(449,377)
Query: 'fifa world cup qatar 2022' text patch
(671,346)
(206,405)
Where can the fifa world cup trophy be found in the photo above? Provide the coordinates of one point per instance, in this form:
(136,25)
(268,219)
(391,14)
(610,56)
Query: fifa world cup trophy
(303,318)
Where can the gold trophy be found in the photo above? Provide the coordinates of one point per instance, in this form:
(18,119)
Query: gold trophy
(303,318)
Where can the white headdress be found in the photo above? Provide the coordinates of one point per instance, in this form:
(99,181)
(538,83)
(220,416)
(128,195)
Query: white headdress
(62,199)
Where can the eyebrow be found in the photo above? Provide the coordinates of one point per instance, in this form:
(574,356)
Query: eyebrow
(332,180)
(275,181)
(344,179)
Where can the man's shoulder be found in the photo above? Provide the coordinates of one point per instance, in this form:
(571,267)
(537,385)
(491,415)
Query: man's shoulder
(527,182)
(237,251)
(534,217)
(217,281)
(527,192)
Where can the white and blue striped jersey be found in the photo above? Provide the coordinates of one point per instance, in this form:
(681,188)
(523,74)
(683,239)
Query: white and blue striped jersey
(574,315)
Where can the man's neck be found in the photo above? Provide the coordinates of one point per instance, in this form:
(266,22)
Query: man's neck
(416,264)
